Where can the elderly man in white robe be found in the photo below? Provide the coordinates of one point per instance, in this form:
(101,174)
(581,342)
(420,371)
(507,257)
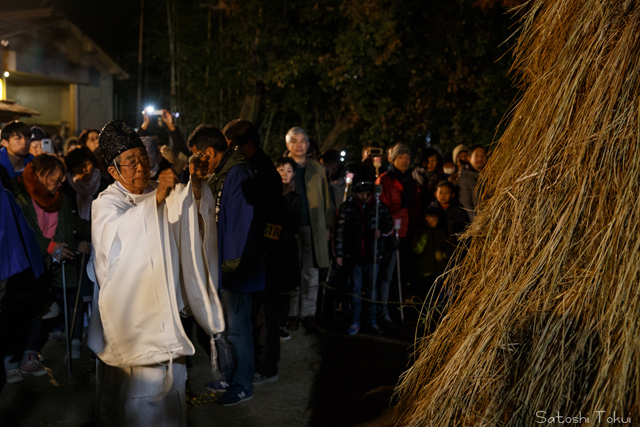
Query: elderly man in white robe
(154,258)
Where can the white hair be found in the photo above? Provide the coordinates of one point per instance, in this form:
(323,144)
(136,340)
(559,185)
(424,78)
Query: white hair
(296,130)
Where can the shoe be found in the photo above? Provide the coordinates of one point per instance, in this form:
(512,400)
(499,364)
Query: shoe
(294,323)
(217,386)
(56,336)
(284,335)
(353,329)
(234,395)
(14,376)
(261,379)
(33,366)
(310,325)
(386,320)
(375,330)
(76,349)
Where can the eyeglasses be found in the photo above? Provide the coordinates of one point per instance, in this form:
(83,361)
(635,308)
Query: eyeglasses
(143,160)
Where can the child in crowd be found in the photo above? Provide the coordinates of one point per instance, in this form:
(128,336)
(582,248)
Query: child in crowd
(434,252)
(290,270)
(427,174)
(451,218)
(355,234)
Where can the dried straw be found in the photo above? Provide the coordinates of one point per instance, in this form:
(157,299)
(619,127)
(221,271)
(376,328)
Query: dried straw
(547,309)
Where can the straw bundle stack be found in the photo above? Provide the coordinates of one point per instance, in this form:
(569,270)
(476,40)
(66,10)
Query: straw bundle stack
(546,317)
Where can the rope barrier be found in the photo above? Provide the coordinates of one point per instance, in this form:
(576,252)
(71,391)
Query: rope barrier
(325,285)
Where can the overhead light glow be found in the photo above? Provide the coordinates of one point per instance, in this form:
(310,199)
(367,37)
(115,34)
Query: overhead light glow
(342,159)
(6,74)
(343,153)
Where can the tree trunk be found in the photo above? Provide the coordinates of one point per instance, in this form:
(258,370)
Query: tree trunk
(172,55)
(341,125)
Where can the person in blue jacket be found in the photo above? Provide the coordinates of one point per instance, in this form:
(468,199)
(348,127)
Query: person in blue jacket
(20,268)
(15,139)
(240,258)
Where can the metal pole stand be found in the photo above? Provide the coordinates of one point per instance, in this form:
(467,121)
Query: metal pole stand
(66,318)
(396,225)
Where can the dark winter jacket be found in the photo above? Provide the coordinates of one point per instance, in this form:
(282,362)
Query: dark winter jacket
(70,230)
(270,201)
(468,198)
(433,250)
(18,242)
(427,183)
(288,263)
(240,236)
(452,220)
(353,230)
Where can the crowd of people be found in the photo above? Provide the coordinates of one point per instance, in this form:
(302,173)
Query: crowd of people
(141,234)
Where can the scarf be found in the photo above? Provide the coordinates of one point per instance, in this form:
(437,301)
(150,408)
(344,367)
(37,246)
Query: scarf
(408,198)
(84,192)
(49,203)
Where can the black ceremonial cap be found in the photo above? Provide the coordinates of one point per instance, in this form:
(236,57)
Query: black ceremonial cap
(115,138)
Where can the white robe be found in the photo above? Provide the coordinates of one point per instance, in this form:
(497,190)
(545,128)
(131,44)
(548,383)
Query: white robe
(149,263)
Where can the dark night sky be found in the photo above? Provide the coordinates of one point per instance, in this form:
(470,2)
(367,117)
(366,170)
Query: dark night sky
(112,24)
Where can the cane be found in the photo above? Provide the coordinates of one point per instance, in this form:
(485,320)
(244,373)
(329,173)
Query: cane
(374,279)
(326,281)
(397,224)
(66,318)
(75,307)
(377,162)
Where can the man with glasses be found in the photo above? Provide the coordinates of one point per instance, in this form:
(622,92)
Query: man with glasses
(154,258)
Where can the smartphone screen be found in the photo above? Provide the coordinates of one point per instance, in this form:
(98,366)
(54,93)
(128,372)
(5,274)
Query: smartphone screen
(47,146)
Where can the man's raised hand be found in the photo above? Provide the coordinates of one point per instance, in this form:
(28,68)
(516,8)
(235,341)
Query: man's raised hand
(167,181)
(199,166)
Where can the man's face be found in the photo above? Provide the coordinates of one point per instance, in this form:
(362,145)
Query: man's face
(17,145)
(35,148)
(443,195)
(213,160)
(478,159)
(402,162)
(134,170)
(298,145)
(52,181)
(364,196)
(92,141)
(286,173)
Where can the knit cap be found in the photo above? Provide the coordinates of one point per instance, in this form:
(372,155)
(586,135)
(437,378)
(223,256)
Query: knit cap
(398,150)
(459,149)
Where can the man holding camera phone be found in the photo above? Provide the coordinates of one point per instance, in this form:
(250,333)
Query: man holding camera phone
(40,143)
